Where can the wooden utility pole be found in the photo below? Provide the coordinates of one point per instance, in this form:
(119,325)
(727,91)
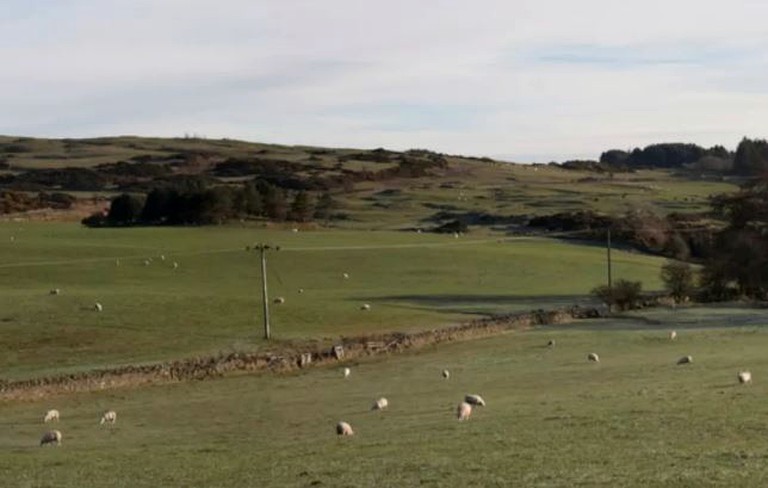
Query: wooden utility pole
(610,277)
(263,248)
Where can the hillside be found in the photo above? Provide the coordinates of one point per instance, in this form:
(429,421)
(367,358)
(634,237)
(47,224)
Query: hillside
(374,188)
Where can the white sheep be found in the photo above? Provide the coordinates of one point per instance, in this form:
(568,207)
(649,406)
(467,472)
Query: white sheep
(347,372)
(380,404)
(109,416)
(673,335)
(117,262)
(301,290)
(366,307)
(279,300)
(593,357)
(162,257)
(98,307)
(55,291)
(343,428)
(685,360)
(51,415)
(463,411)
(52,436)
(345,276)
(551,343)
(175,265)
(475,400)
(745,377)
(146,262)
(294,230)
(446,374)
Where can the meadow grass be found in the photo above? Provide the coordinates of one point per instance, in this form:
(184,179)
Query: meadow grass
(552,420)
(211,303)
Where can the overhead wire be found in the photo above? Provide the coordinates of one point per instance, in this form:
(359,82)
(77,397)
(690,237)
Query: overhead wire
(415,245)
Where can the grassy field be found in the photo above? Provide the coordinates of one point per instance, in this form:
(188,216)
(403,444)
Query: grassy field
(211,303)
(511,189)
(552,420)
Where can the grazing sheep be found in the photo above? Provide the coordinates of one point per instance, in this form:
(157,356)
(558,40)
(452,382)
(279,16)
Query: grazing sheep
(455,235)
(551,343)
(146,262)
(117,262)
(55,291)
(345,276)
(50,437)
(446,374)
(301,290)
(109,416)
(175,265)
(13,238)
(162,257)
(685,360)
(347,372)
(365,307)
(279,300)
(380,404)
(294,230)
(475,400)
(343,428)
(745,377)
(97,307)
(463,411)
(673,335)
(593,357)
(51,415)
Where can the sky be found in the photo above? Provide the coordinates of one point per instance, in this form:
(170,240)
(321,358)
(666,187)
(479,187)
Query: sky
(523,80)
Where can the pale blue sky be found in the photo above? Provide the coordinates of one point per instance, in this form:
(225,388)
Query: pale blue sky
(532,80)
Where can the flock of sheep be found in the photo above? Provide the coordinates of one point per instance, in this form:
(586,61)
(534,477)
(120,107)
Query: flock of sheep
(366,307)
(54,436)
(97,306)
(463,411)
(744,377)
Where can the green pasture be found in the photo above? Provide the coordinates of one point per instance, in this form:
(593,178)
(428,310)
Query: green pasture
(552,419)
(212,301)
(511,189)
(39,153)
(465,185)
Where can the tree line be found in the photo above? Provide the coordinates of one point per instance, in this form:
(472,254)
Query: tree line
(749,159)
(664,155)
(735,265)
(197,204)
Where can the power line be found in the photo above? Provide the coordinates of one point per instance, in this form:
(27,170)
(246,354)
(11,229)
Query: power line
(592,232)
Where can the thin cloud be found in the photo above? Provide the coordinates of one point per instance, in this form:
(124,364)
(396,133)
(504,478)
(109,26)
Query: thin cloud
(541,79)
(624,56)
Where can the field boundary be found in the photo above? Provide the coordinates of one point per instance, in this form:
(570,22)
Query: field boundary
(291,356)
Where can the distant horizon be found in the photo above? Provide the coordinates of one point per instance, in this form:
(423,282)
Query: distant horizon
(508,158)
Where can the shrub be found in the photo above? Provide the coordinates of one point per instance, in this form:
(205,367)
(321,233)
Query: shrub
(97,219)
(624,295)
(678,278)
(451,227)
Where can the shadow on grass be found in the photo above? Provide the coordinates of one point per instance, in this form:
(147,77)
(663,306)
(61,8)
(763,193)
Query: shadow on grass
(481,304)
(671,321)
